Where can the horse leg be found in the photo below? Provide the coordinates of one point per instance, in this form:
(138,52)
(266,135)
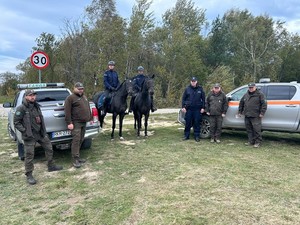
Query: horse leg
(146,124)
(114,117)
(121,117)
(139,124)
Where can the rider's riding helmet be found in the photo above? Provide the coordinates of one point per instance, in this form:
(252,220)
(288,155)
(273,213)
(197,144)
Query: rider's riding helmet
(111,63)
(140,68)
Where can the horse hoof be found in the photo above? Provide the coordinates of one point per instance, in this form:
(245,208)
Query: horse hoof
(122,139)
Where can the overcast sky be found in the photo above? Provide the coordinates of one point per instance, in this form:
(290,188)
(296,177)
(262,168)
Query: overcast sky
(21,21)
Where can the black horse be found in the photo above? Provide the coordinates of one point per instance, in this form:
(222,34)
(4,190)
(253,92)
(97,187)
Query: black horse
(117,106)
(142,104)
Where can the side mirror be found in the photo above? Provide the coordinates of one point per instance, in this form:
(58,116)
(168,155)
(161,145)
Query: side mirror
(229,98)
(7,105)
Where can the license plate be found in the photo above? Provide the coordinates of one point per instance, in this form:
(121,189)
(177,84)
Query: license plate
(62,133)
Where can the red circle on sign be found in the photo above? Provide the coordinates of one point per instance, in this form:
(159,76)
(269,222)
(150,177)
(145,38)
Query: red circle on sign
(39,60)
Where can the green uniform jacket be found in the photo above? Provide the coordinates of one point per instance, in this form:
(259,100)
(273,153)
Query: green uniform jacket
(253,104)
(22,120)
(77,109)
(216,103)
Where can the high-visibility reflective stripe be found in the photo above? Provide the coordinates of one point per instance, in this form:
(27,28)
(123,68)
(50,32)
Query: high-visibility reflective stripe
(270,102)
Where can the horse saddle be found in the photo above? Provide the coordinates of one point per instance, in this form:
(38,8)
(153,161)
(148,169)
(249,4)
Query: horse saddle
(104,101)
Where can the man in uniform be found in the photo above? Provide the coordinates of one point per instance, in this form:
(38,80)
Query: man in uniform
(77,113)
(253,106)
(29,120)
(138,81)
(193,104)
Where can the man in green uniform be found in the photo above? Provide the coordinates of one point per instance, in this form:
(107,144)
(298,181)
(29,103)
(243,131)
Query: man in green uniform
(29,120)
(77,113)
(254,107)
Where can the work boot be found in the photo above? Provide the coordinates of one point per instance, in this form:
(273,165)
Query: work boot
(30,178)
(54,168)
(80,160)
(76,163)
(197,139)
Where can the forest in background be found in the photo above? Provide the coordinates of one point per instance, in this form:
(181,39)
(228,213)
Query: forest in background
(239,48)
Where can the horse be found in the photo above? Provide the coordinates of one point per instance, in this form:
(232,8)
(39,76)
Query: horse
(117,106)
(142,104)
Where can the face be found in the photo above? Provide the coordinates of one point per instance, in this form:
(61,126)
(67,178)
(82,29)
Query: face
(252,89)
(216,89)
(194,83)
(141,71)
(111,67)
(31,98)
(79,90)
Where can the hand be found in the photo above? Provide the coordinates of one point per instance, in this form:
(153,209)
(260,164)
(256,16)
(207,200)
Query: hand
(223,115)
(183,110)
(261,115)
(202,110)
(71,126)
(208,113)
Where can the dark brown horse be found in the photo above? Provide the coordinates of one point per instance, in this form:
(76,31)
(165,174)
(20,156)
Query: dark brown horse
(142,104)
(117,106)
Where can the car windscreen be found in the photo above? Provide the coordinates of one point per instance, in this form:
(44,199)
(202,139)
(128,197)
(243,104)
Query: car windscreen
(46,96)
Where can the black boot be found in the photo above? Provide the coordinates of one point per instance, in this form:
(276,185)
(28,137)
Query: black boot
(54,168)
(76,163)
(30,178)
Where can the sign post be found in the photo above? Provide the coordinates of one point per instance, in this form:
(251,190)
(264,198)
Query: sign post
(39,60)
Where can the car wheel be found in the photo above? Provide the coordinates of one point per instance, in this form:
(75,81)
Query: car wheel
(86,144)
(205,126)
(20,151)
(11,133)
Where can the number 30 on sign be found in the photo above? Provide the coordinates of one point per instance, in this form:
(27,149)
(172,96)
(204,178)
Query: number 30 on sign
(39,60)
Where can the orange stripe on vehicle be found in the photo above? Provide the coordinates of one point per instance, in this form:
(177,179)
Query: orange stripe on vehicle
(270,102)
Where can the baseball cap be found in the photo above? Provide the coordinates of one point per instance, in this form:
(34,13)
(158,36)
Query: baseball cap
(217,85)
(251,85)
(30,92)
(79,85)
(194,79)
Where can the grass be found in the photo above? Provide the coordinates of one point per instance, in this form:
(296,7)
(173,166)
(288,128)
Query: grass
(157,180)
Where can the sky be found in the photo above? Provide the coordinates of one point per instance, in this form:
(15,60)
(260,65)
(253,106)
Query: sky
(21,22)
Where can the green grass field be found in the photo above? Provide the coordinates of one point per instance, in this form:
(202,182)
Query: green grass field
(157,180)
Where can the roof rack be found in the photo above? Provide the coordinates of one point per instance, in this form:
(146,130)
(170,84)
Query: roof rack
(40,85)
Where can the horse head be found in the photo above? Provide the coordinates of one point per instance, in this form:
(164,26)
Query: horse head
(149,85)
(129,86)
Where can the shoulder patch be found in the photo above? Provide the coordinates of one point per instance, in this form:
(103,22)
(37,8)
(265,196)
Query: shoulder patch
(18,113)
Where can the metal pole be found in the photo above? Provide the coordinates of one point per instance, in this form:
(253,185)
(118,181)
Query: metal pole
(40,76)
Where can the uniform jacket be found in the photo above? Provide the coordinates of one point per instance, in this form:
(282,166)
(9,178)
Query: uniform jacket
(138,81)
(193,98)
(253,104)
(77,109)
(111,80)
(23,119)
(216,103)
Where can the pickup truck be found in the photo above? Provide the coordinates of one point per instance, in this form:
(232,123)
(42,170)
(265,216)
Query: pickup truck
(283,112)
(51,97)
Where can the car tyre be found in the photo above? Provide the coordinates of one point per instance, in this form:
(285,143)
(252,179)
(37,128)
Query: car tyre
(86,144)
(205,127)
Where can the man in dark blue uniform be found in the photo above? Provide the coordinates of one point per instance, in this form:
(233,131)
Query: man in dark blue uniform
(193,104)
(111,83)
(138,81)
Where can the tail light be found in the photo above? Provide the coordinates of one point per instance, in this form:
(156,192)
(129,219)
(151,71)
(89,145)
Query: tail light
(95,114)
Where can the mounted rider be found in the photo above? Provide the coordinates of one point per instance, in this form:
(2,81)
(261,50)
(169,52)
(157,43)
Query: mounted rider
(111,84)
(138,81)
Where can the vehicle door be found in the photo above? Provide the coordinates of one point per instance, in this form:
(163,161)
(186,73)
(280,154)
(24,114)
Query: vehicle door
(232,120)
(283,110)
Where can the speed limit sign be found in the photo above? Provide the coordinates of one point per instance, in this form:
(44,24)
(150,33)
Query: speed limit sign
(39,60)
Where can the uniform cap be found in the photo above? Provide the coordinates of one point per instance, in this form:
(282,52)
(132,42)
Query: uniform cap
(140,68)
(251,85)
(217,85)
(194,79)
(111,63)
(78,85)
(30,92)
